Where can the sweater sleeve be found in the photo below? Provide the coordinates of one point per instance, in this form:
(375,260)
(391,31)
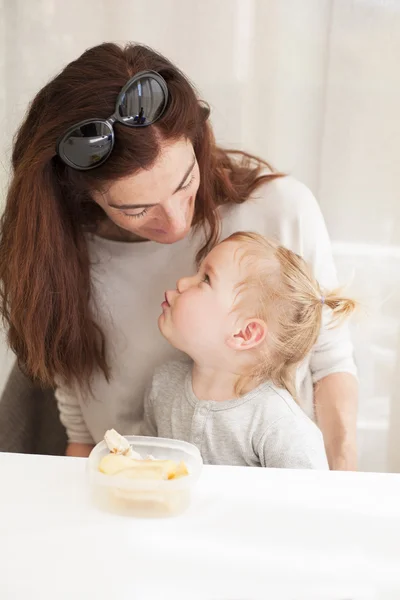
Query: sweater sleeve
(71,416)
(148,426)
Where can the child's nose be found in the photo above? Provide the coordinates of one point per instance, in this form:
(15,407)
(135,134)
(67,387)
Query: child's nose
(183,284)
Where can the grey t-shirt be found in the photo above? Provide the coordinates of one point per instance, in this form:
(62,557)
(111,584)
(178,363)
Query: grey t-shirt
(263,428)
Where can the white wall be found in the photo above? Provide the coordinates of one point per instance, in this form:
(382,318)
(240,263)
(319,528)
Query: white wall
(359,192)
(311,85)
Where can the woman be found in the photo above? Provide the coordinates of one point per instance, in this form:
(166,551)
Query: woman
(105,213)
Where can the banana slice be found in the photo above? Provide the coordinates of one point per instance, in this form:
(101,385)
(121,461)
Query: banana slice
(154,472)
(124,461)
(112,464)
(117,444)
(117,464)
(181,471)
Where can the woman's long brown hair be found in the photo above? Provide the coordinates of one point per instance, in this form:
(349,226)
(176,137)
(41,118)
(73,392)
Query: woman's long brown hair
(45,283)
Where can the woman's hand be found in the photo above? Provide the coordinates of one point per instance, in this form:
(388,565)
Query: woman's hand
(80,450)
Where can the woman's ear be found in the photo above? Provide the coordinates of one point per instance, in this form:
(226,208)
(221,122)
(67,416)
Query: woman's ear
(251,334)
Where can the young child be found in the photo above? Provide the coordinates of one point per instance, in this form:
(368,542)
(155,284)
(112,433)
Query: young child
(246,320)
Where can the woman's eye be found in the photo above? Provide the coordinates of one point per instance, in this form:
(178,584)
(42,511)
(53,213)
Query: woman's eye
(137,215)
(188,184)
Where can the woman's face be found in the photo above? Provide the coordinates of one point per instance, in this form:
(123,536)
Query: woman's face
(156,204)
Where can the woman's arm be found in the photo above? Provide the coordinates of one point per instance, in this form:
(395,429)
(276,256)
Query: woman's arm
(336,395)
(148,426)
(80,442)
(80,450)
(336,400)
(332,364)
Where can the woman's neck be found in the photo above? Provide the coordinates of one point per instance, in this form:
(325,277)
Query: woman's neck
(215,384)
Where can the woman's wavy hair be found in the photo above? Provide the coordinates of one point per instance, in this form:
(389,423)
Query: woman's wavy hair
(45,282)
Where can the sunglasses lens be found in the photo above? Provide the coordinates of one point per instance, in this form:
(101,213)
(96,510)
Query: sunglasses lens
(88,145)
(143,102)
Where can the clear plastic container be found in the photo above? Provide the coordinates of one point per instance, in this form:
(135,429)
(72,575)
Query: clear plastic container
(145,498)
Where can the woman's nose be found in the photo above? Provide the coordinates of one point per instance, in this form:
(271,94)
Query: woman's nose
(176,214)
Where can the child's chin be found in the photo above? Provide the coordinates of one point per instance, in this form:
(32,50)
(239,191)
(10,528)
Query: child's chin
(161,324)
(164,330)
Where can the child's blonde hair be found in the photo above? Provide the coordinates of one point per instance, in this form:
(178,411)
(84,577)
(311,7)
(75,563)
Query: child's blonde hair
(289,299)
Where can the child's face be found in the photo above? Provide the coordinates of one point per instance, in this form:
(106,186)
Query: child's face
(198,317)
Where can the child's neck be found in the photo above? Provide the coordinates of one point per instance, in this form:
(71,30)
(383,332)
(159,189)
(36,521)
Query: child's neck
(213,384)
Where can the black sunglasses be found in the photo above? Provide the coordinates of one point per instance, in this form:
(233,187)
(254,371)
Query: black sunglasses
(140,103)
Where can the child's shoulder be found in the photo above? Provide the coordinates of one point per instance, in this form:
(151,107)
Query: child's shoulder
(171,373)
(277,403)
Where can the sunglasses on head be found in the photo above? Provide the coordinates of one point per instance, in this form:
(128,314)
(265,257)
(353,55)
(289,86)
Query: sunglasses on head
(88,144)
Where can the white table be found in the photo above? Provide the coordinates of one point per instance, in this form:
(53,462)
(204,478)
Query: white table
(249,534)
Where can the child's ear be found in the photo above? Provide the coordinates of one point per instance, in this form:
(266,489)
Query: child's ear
(250,335)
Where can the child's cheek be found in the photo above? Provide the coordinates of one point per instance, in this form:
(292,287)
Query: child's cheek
(191,314)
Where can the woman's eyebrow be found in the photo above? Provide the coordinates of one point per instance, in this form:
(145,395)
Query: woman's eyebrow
(186,175)
(128,206)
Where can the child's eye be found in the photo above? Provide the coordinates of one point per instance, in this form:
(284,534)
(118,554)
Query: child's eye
(206,279)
